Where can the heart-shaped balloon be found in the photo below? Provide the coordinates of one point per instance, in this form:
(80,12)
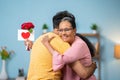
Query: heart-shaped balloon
(25,35)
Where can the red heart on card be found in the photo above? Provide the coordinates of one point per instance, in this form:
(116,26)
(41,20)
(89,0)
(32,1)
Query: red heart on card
(25,35)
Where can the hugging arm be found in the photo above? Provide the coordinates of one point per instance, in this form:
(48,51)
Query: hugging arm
(82,71)
(58,62)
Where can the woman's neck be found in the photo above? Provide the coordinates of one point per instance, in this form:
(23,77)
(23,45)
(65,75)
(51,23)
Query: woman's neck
(72,40)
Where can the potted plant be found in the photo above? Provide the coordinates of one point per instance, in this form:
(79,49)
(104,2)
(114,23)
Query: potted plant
(45,28)
(94,27)
(5,54)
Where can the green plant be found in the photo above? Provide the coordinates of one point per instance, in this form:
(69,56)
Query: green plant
(94,27)
(45,26)
(4,53)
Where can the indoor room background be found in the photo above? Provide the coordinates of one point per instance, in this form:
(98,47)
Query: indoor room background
(105,13)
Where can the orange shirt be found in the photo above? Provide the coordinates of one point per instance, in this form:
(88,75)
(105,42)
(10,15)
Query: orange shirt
(40,67)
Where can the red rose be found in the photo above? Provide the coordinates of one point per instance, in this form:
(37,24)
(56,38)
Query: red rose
(27,26)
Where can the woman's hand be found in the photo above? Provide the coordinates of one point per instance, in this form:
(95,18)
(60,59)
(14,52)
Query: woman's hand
(46,42)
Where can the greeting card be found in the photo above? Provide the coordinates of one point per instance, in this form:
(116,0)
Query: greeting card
(26,33)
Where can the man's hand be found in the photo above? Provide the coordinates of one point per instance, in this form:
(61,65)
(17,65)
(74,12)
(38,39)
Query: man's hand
(82,71)
(28,44)
(91,69)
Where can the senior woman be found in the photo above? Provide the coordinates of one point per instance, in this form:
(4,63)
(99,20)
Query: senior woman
(78,50)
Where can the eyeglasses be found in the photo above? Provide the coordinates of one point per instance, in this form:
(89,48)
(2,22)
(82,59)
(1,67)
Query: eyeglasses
(65,30)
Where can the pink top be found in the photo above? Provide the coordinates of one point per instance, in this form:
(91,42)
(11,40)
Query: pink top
(77,51)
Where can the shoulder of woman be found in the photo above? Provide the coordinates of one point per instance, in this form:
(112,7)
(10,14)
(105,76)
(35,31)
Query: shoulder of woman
(78,40)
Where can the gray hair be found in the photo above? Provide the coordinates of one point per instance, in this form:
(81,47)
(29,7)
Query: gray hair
(66,18)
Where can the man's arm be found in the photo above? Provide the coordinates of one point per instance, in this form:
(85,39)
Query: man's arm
(82,71)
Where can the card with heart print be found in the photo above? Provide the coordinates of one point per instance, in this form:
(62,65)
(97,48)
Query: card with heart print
(25,34)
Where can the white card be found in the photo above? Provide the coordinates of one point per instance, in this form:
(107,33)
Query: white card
(25,34)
